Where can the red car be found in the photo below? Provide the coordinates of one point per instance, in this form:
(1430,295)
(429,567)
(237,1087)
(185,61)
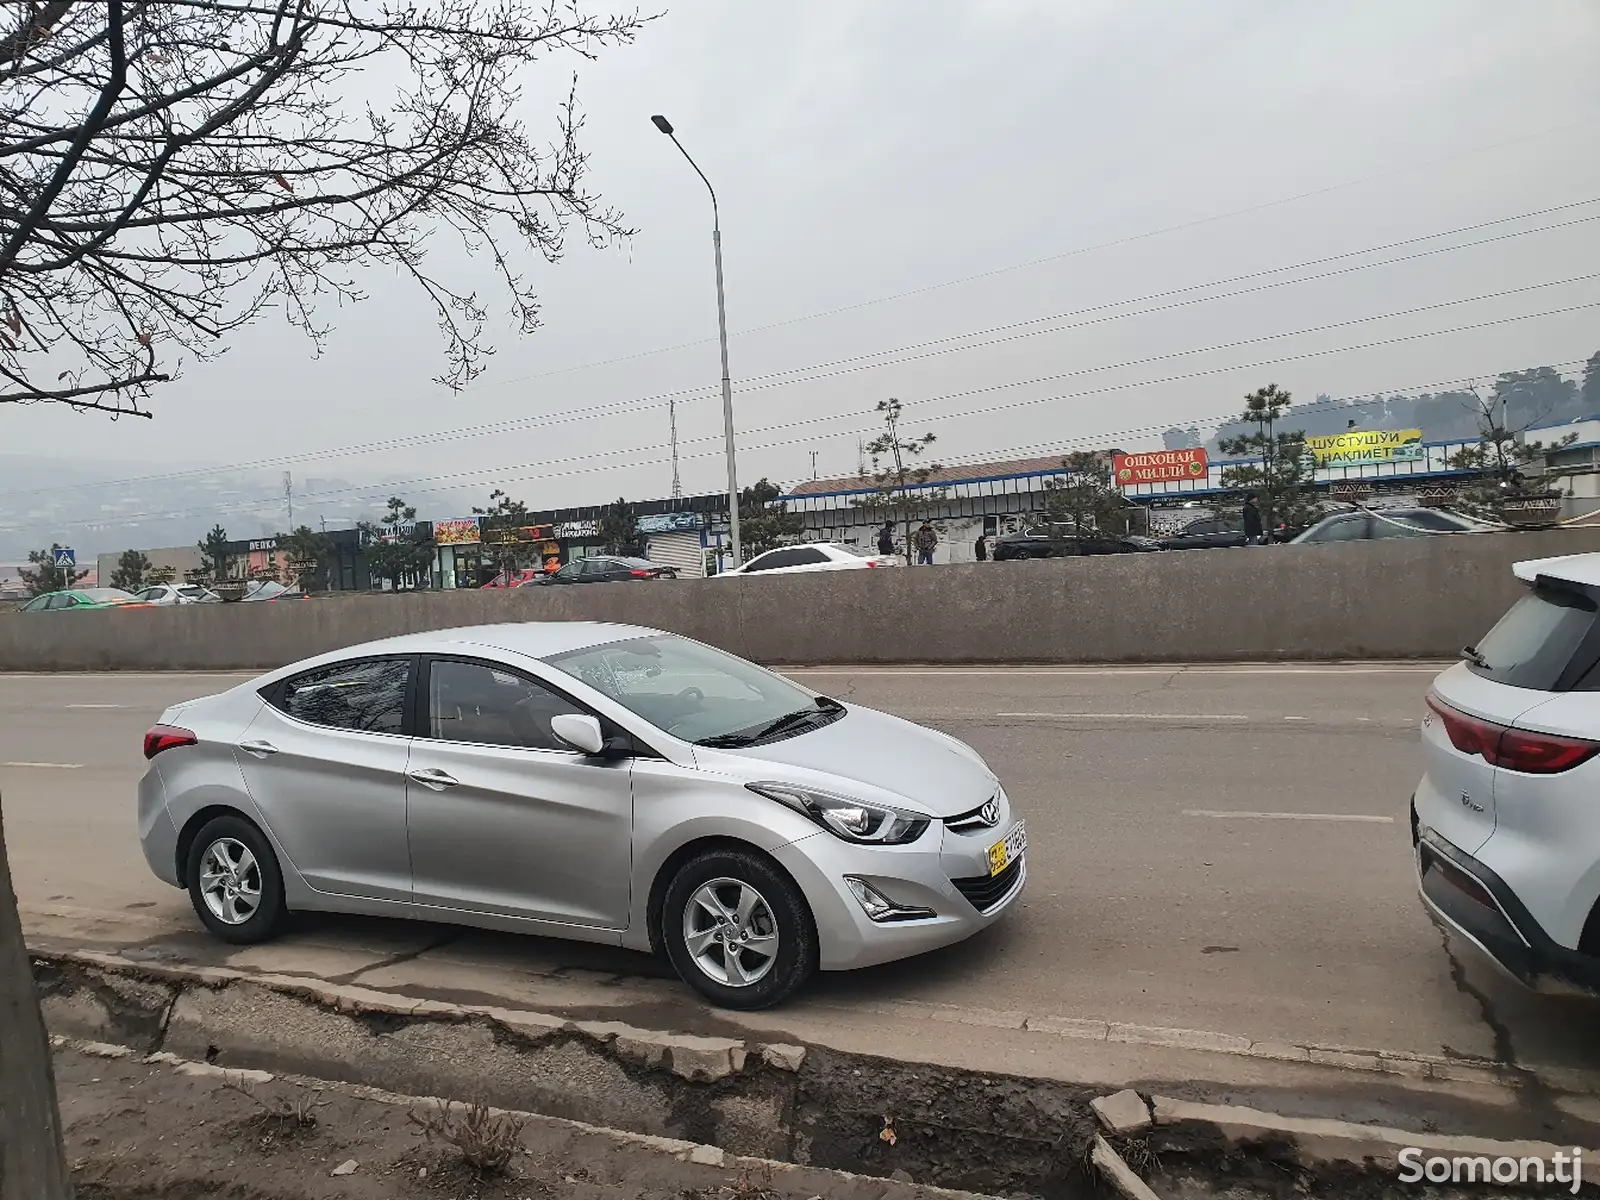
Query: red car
(511,579)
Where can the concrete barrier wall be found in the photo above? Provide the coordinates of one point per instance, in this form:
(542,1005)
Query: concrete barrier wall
(1406,598)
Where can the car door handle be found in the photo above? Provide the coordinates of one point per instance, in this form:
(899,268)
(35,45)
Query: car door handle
(259,748)
(432,778)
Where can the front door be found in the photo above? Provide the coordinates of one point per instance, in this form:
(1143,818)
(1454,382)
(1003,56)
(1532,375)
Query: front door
(504,819)
(325,762)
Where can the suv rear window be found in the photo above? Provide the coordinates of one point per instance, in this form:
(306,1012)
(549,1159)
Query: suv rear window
(1545,642)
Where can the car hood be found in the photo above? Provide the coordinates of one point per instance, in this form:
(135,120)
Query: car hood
(933,771)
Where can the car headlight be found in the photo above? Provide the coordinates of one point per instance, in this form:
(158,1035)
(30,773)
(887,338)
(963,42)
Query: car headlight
(851,820)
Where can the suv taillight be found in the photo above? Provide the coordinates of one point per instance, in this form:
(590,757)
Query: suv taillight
(165,737)
(1514,749)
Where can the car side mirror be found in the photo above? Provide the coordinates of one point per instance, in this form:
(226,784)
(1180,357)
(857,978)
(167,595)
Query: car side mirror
(580,732)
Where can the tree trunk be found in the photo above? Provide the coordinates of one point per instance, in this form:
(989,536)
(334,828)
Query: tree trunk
(32,1163)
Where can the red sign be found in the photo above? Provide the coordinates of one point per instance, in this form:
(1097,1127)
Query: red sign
(1160,466)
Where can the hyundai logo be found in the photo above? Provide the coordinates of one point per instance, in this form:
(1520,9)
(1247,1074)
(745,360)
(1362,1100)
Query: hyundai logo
(989,814)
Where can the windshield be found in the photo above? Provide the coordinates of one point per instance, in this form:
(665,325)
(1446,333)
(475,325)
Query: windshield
(1539,641)
(692,691)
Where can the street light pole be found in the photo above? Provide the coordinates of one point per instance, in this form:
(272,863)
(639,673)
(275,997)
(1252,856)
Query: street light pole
(665,126)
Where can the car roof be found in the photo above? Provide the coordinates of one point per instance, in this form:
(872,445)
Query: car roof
(1574,568)
(532,639)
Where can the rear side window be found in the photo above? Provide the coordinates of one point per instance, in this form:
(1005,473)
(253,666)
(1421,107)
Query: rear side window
(1545,642)
(367,696)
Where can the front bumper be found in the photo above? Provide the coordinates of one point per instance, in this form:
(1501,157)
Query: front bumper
(1476,903)
(944,872)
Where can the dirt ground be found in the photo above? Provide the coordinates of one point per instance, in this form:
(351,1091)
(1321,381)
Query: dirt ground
(148,1132)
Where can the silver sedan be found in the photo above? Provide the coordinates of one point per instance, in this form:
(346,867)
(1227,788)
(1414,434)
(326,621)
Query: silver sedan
(603,783)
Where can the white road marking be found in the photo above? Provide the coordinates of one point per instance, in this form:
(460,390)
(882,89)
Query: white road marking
(1087,716)
(44,765)
(1289,816)
(98,706)
(1297,718)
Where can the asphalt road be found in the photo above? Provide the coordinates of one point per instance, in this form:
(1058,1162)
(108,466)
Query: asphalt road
(1222,850)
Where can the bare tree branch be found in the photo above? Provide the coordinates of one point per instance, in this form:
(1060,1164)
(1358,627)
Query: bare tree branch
(170,171)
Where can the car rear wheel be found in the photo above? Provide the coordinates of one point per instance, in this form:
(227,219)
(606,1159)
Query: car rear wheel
(234,881)
(738,930)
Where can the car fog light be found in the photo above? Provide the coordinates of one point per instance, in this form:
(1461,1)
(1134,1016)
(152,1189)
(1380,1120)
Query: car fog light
(879,907)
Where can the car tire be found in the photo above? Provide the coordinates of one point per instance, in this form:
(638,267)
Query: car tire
(778,908)
(246,905)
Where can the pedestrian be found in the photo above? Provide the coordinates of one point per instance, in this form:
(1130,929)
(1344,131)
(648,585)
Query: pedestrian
(981,548)
(1252,520)
(886,538)
(925,539)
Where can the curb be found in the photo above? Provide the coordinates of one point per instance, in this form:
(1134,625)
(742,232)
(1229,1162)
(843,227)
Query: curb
(678,1148)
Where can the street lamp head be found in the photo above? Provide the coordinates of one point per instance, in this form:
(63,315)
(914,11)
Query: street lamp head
(662,124)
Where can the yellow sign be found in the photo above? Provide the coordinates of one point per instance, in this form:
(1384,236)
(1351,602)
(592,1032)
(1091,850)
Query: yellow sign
(1366,446)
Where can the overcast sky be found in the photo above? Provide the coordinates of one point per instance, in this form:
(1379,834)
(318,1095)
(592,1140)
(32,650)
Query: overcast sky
(906,171)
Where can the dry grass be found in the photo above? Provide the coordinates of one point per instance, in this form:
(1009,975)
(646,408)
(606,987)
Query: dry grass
(279,1117)
(486,1141)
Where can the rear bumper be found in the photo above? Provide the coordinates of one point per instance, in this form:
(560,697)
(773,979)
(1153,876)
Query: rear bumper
(1477,904)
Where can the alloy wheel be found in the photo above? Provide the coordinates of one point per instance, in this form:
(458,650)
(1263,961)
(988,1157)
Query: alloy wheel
(230,881)
(730,932)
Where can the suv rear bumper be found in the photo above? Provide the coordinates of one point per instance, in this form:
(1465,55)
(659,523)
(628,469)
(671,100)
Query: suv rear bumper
(1476,903)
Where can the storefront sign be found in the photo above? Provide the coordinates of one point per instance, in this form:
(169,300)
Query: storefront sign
(1366,446)
(1161,466)
(517,536)
(264,544)
(669,523)
(578,529)
(462,531)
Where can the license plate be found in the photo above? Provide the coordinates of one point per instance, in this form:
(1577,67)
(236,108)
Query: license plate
(1003,853)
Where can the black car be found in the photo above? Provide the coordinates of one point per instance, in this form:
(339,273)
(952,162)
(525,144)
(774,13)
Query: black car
(605,568)
(1065,541)
(1207,533)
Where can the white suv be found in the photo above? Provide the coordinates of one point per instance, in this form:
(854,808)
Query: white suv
(1506,820)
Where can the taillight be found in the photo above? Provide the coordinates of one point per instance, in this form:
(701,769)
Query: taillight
(639,574)
(1514,749)
(165,737)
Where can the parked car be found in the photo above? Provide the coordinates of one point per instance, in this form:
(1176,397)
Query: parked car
(1066,541)
(1207,533)
(596,782)
(1364,524)
(165,594)
(514,578)
(83,598)
(1504,824)
(603,568)
(813,556)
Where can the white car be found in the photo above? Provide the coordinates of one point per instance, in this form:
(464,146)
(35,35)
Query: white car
(1505,822)
(177,593)
(813,556)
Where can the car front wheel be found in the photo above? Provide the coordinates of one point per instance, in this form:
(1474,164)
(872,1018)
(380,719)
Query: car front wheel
(738,930)
(234,881)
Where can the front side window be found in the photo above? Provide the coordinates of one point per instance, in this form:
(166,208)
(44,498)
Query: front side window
(1345,529)
(692,691)
(492,706)
(368,696)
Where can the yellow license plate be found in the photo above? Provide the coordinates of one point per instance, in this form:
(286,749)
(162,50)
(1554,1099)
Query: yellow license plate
(1006,851)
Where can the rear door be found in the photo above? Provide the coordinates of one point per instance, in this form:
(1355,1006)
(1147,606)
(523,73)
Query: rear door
(325,762)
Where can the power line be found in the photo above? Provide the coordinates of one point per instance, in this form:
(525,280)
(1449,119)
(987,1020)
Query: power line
(776,379)
(457,479)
